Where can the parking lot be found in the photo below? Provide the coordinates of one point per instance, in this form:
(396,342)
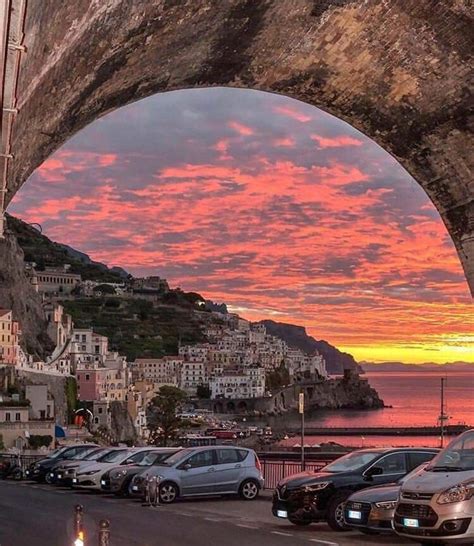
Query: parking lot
(42,515)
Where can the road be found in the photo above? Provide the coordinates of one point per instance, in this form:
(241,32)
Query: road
(39,515)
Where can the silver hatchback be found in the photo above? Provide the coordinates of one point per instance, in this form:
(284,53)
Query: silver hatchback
(203,471)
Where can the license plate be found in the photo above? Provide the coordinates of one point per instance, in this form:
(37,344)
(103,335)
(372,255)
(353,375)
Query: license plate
(407,522)
(282,513)
(354,514)
(135,488)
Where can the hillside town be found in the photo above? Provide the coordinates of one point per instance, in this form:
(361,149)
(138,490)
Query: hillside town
(234,363)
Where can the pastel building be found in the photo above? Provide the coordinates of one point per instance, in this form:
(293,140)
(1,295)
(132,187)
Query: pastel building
(9,338)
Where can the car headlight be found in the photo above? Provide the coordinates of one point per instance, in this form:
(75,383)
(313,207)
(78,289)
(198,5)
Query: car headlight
(458,493)
(315,487)
(387,505)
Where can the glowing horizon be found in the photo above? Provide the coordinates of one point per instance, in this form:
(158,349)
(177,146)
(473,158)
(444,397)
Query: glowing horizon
(269,205)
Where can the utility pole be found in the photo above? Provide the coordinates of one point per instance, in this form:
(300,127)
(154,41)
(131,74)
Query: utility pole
(442,416)
(301,411)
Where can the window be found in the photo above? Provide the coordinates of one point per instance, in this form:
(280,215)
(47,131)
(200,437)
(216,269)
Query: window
(392,464)
(419,457)
(100,410)
(7,416)
(202,458)
(228,456)
(17,416)
(87,377)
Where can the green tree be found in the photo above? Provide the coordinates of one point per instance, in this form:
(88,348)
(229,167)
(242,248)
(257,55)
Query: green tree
(161,414)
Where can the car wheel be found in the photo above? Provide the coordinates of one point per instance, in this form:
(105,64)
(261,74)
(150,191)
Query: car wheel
(336,512)
(48,479)
(249,490)
(168,493)
(300,522)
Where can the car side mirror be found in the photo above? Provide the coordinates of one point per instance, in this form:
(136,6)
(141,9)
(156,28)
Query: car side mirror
(374,471)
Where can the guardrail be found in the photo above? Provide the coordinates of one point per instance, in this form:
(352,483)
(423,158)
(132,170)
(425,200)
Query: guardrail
(274,471)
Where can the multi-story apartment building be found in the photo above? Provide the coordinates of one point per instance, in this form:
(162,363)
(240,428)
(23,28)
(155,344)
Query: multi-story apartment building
(9,338)
(87,346)
(244,383)
(193,374)
(162,371)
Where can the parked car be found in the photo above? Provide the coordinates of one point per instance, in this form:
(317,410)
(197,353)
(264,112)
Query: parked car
(64,471)
(90,475)
(310,497)
(204,471)
(117,480)
(371,510)
(436,505)
(39,470)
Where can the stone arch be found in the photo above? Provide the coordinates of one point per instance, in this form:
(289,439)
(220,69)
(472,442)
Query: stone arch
(230,407)
(242,407)
(356,60)
(218,407)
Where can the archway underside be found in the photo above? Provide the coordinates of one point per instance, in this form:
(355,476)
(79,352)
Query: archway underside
(397,70)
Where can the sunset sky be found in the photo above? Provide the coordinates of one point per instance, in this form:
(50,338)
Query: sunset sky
(270,205)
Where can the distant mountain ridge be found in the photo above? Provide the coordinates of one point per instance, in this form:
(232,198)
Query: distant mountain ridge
(458,366)
(296,336)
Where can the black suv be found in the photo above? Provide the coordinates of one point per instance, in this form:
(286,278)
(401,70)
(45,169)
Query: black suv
(320,496)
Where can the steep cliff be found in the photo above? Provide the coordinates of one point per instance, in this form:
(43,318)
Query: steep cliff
(296,336)
(16,293)
(121,426)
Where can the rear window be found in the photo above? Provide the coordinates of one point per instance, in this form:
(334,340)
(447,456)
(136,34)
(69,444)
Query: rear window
(419,457)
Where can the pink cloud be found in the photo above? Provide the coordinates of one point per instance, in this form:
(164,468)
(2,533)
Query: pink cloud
(293,113)
(284,142)
(342,141)
(242,129)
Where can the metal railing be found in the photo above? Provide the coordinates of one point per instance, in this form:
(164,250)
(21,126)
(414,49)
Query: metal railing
(274,471)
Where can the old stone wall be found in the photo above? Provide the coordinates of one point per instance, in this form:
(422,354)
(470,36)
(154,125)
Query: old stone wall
(56,386)
(398,70)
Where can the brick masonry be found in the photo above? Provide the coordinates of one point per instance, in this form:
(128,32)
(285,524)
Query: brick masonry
(398,70)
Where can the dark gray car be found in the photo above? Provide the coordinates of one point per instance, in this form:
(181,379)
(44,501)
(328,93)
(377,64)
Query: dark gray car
(371,510)
(117,480)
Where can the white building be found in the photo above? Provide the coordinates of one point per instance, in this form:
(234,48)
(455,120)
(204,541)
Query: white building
(246,383)
(193,374)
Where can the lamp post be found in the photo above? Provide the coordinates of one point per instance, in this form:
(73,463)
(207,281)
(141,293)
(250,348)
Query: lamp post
(301,411)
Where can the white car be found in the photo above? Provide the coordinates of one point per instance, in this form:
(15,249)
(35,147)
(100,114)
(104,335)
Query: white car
(89,476)
(436,505)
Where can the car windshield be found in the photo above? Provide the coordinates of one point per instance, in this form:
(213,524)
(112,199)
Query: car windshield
(95,454)
(57,452)
(83,454)
(352,461)
(113,456)
(179,456)
(457,456)
(154,458)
